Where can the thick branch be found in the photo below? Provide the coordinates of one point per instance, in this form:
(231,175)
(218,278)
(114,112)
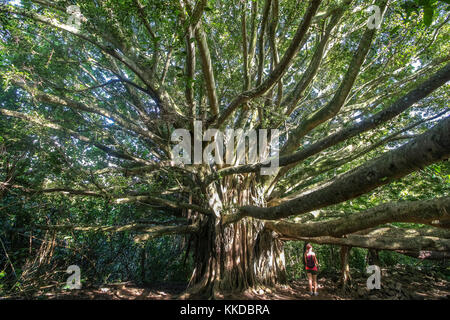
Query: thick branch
(434,212)
(290,103)
(400,105)
(150,231)
(386,239)
(207,68)
(145,198)
(280,69)
(47,124)
(169,203)
(430,147)
(425,254)
(333,107)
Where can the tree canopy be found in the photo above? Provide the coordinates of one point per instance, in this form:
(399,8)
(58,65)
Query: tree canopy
(91,96)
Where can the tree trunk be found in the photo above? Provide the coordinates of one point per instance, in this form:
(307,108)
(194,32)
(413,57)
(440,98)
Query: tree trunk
(234,258)
(345,267)
(331,256)
(142,262)
(237,256)
(373,257)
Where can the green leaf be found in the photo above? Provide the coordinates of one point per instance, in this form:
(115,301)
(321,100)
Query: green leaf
(395,30)
(423,3)
(428,16)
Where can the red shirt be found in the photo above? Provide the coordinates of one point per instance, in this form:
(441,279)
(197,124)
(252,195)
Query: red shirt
(315,266)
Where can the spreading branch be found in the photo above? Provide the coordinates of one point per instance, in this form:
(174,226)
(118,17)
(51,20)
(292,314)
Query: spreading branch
(430,147)
(435,212)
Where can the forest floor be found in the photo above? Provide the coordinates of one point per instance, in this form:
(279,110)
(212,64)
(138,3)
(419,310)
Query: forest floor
(396,284)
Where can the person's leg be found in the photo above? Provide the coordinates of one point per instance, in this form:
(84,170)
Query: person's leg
(314,278)
(310,280)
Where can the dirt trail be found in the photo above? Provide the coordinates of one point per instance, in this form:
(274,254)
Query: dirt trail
(396,284)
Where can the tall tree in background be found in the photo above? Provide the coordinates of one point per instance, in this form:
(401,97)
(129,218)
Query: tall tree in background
(357,107)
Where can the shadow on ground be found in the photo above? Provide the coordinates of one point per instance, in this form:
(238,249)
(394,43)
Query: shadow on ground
(396,284)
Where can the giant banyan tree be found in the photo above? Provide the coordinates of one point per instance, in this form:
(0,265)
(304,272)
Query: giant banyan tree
(358,108)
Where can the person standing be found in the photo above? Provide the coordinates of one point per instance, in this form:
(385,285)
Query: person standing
(311,264)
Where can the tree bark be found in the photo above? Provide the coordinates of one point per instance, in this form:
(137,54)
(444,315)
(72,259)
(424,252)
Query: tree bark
(143,260)
(388,239)
(433,212)
(373,257)
(237,256)
(423,254)
(428,148)
(234,258)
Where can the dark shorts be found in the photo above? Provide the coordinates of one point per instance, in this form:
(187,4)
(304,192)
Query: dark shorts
(313,272)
